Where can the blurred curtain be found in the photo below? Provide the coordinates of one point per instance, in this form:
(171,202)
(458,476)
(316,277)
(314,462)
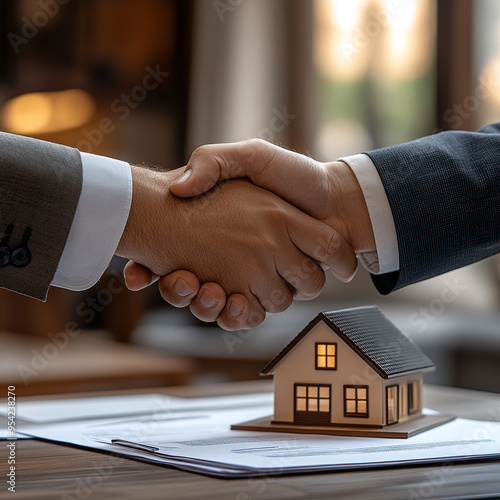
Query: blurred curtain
(240,71)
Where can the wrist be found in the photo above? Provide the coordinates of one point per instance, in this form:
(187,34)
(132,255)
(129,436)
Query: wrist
(150,193)
(351,210)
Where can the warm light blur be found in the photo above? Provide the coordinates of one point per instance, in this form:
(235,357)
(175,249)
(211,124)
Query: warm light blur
(484,102)
(393,39)
(44,112)
(407,43)
(339,43)
(372,59)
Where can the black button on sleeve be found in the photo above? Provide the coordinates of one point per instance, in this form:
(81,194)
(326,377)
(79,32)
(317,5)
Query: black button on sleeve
(20,257)
(4,255)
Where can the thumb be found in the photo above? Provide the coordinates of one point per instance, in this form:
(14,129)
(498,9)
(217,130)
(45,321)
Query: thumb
(217,162)
(201,173)
(195,180)
(138,277)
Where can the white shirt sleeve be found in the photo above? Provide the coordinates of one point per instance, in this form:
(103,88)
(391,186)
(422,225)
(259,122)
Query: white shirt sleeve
(99,221)
(386,258)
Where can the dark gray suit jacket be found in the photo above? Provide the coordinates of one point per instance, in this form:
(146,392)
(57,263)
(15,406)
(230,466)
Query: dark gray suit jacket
(40,185)
(444,193)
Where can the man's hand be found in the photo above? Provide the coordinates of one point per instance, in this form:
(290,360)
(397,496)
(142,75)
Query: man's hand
(251,243)
(327,191)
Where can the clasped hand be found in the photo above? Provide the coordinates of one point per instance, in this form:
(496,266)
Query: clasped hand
(244,248)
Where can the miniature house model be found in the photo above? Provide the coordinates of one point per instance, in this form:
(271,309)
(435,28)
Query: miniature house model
(348,369)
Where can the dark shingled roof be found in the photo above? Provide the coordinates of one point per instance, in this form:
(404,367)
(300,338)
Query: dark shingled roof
(368,331)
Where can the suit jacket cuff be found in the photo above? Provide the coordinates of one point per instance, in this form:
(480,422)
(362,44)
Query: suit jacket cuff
(98,224)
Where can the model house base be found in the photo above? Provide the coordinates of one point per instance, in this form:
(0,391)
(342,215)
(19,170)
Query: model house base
(402,430)
(349,373)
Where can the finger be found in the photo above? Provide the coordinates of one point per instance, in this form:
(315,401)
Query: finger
(209,302)
(138,277)
(300,295)
(214,162)
(179,288)
(303,275)
(240,313)
(324,245)
(296,178)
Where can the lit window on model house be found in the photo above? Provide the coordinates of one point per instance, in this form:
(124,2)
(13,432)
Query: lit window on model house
(326,356)
(356,400)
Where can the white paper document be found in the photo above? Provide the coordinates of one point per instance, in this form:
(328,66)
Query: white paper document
(63,410)
(59,410)
(195,435)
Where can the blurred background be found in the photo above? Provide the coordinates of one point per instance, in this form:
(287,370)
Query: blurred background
(150,80)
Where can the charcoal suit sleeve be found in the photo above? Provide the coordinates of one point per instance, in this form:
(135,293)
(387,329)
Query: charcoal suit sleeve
(444,194)
(40,185)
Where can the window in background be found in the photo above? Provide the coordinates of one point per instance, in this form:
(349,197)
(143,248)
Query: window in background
(375,65)
(106,80)
(484,102)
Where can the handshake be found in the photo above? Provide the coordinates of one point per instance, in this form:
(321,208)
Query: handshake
(235,249)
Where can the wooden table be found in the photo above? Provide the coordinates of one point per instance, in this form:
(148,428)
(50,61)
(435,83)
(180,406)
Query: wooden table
(49,471)
(85,362)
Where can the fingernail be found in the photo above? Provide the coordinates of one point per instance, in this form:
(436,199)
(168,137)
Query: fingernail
(346,279)
(207,299)
(184,177)
(182,288)
(235,309)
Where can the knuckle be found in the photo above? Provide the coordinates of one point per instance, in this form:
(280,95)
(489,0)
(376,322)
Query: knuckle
(255,318)
(315,284)
(334,245)
(278,301)
(202,151)
(257,142)
(307,278)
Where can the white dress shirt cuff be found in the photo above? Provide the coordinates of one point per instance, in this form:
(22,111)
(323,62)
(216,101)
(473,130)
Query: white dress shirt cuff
(99,221)
(386,257)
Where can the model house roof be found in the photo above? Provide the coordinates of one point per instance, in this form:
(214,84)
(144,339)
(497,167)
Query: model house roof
(368,331)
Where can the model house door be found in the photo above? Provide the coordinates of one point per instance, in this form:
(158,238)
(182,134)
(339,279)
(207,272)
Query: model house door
(392,404)
(312,404)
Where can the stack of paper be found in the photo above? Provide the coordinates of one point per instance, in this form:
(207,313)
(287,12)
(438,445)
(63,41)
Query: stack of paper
(195,435)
